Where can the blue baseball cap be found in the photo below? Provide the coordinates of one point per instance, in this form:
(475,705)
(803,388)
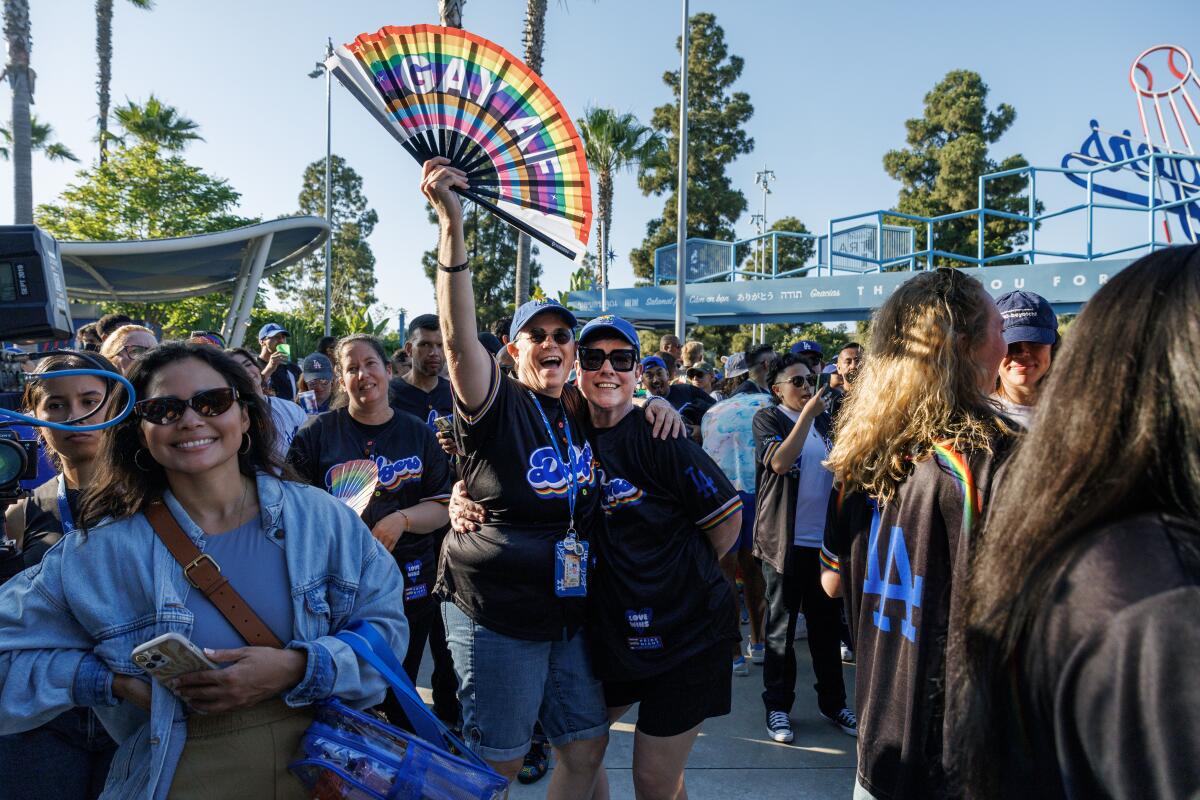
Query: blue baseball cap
(271,329)
(806,346)
(653,361)
(1028,317)
(830,369)
(316,365)
(612,325)
(534,307)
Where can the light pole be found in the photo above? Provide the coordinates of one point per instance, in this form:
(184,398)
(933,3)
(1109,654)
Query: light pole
(759,258)
(763,178)
(681,223)
(323,67)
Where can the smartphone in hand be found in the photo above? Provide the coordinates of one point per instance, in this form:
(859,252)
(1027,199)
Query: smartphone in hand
(169,656)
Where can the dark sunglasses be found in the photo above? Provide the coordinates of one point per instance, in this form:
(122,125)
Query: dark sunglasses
(800,380)
(165,410)
(560,335)
(592,359)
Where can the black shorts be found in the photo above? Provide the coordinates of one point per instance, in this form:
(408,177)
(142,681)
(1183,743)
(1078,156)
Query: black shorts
(679,699)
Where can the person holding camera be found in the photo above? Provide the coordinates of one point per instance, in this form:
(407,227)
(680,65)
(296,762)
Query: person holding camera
(194,469)
(69,756)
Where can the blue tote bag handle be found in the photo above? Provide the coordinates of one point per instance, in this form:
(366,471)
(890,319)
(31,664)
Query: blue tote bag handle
(366,642)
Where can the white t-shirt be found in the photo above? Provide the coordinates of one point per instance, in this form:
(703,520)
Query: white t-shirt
(812,494)
(288,417)
(1022,415)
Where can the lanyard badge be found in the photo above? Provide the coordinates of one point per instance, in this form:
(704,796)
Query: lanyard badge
(64,508)
(570,554)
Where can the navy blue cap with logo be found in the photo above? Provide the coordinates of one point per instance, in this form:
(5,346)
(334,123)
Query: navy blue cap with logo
(532,308)
(316,365)
(1028,317)
(613,326)
(806,346)
(653,361)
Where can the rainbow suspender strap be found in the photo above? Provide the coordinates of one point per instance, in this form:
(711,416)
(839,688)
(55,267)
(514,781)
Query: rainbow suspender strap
(957,464)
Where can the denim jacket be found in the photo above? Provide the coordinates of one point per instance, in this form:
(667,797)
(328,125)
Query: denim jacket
(68,624)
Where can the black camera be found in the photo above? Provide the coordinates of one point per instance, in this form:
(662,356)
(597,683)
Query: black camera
(33,292)
(18,462)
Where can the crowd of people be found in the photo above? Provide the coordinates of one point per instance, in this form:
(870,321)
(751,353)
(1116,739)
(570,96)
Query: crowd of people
(996,526)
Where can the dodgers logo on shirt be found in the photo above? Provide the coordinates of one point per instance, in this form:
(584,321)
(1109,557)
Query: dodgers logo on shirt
(402,471)
(908,587)
(412,570)
(619,492)
(546,476)
(639,618)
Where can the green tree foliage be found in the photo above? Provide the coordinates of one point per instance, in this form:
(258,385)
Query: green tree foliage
(155,122)
(716,116)
(41,140)
(793,253)
(141,193)
(491,252)
(947,152)
(302,286)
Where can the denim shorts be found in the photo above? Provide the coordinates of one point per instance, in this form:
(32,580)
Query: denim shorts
(505,685)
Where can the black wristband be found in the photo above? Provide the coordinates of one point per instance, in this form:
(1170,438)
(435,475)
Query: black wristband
(459,268)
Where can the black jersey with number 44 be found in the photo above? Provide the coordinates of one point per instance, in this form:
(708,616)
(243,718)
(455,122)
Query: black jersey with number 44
(412,468)
(659,594)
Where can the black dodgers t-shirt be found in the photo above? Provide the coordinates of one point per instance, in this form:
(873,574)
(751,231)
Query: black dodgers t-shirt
(691,402)
(659,594)
(425,406)
(503,576)
(412,469)
(283,381)
(902,566)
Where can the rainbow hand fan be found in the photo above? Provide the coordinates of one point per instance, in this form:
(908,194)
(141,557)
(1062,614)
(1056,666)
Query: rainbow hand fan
(353,482)
(446,92)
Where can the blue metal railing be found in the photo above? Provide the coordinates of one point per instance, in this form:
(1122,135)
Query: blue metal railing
(828,260)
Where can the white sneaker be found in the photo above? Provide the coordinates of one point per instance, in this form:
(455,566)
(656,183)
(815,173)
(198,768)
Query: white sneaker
(779,727)
(847,655)
(740,668)
(757,653)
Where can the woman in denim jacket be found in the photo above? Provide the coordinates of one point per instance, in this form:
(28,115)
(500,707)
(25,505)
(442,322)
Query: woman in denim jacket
(301,559)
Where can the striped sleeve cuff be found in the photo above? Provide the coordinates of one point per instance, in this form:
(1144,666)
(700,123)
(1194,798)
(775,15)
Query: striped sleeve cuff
(493,390)
(830,562)
(731,507)
(769,450)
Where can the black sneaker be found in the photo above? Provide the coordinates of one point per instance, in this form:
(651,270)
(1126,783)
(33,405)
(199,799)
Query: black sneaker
(779,727)
(845,720)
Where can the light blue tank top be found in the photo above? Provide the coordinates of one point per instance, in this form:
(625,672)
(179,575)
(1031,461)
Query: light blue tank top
(257,569)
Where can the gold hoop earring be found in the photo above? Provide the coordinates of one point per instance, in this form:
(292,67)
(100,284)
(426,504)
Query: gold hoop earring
(137,463)
(246,445)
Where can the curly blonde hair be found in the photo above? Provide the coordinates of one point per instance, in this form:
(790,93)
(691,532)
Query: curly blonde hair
(918,385)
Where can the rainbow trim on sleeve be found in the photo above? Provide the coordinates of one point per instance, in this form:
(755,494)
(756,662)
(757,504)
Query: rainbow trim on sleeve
(958,466)
(769,450)
(732,506)
(830,562)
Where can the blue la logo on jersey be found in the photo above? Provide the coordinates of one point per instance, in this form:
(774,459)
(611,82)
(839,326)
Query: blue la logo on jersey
(703,483)
(619,492)
(412,570)
(546,476)
(639,618)
(908,588)
(402,471)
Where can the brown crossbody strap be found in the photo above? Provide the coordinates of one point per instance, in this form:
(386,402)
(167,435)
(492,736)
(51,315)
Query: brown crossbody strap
(205,574)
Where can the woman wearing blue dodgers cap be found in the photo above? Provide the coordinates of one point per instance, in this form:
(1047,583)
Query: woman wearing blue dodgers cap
(1031,333)
(517,587)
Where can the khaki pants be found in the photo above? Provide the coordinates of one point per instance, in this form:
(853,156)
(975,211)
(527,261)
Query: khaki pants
(242,754)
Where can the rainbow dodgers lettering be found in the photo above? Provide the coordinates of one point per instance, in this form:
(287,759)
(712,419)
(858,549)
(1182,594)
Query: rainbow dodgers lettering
(619,492)
(392,474)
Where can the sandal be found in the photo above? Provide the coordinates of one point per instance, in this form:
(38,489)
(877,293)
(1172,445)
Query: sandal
(537,764)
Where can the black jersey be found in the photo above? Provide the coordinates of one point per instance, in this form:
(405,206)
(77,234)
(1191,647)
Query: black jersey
(902,568)
(412,469)
(425,406)
(690,401)
(43,525)
(659,594)
(503,576)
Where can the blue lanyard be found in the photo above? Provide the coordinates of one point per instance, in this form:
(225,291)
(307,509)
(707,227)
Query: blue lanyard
(64,508)
(568,466)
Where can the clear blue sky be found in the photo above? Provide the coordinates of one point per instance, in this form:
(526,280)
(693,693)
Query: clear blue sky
(831,84)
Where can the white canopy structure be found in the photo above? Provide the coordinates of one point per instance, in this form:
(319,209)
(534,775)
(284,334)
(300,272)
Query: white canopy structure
(161,270)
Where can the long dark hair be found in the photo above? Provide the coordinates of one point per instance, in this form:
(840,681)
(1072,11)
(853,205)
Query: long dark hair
(128,479)
(1117,433)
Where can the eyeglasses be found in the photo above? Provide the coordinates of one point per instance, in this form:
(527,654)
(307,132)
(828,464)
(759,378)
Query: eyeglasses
(800,380)
(165,410)
(593,358)
(561,335)
(134,350)
(317,381)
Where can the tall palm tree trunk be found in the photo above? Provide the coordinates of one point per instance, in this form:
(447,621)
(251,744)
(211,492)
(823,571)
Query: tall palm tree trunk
(16,30)
(604,196)
(535,41)
(104,17)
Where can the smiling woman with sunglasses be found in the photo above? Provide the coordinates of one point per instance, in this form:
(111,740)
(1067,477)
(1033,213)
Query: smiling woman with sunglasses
(198,450)
(516,589)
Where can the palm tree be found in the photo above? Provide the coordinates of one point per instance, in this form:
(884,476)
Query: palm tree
(535,42)
(450,12)
(40,140)
(104,17)
(613,142)
(16,31)
(157,123)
